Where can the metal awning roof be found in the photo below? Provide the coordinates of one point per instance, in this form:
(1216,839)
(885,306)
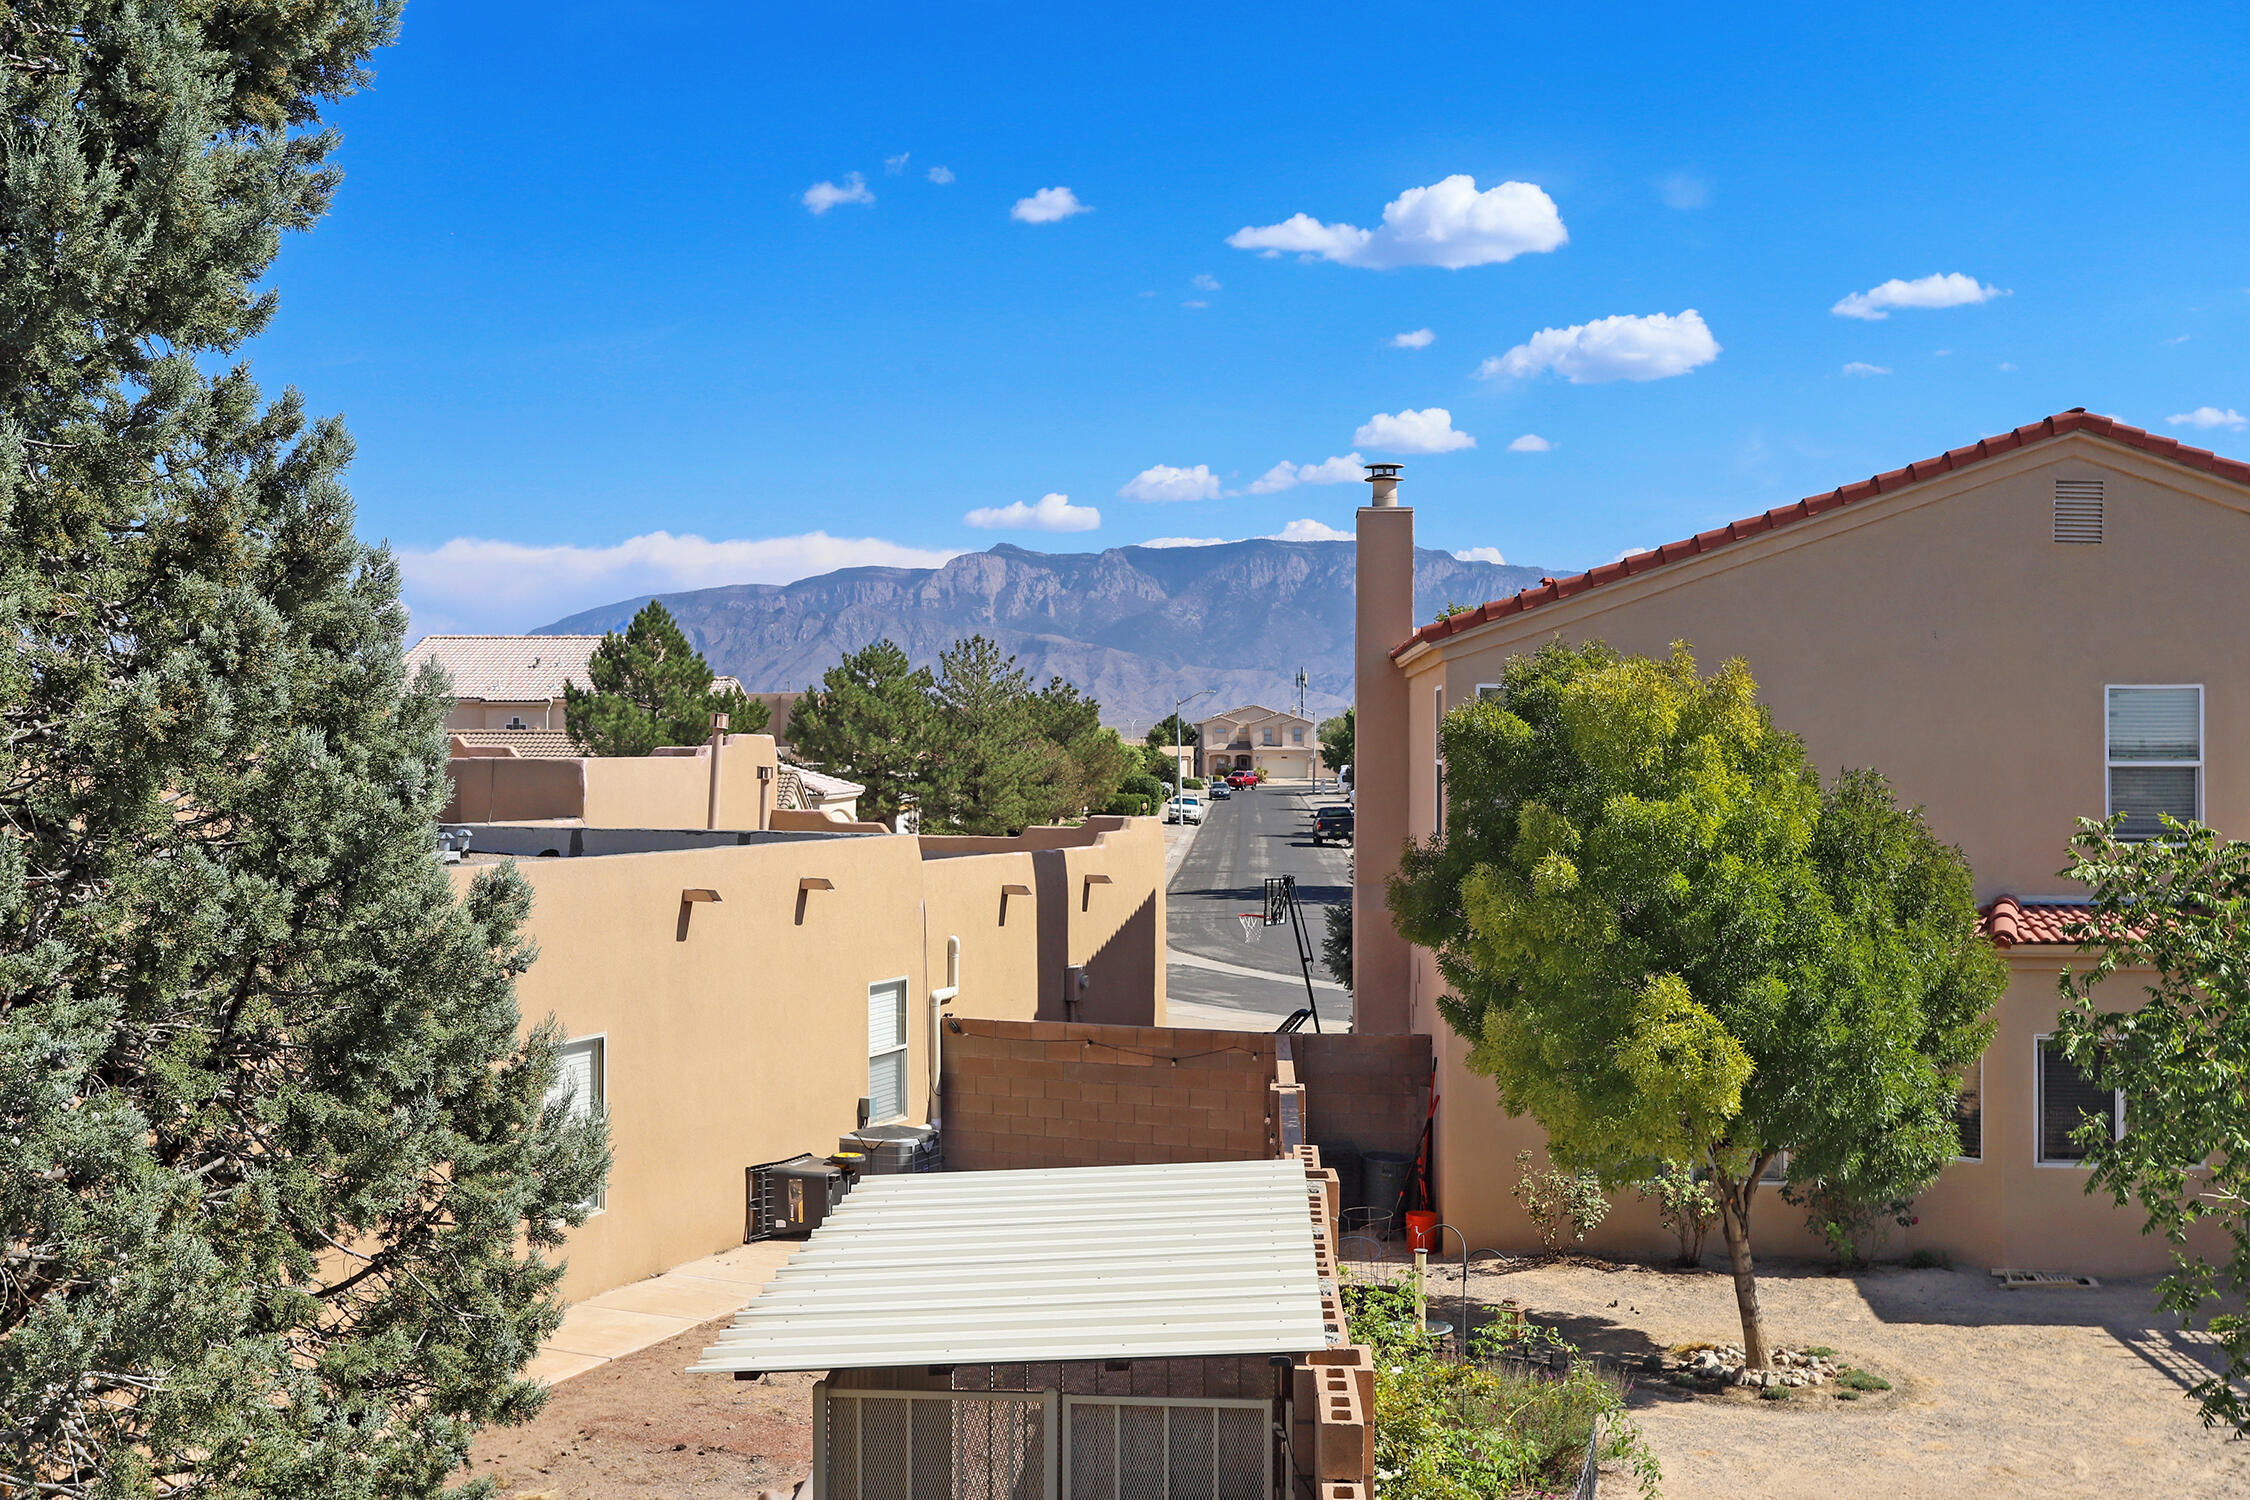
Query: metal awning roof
(1149,1262)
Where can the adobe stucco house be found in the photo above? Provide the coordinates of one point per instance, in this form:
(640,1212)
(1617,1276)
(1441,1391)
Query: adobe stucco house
(2044,625)
(1255,738)
(508,689)
(729,997)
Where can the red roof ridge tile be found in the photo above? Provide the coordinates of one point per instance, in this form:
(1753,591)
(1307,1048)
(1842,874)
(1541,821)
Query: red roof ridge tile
(1633,564)
(2013,921)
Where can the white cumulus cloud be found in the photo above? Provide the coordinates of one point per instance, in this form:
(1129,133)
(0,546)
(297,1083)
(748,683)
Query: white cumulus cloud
(1951,290)
(2211,416)
(1162,482)
(1481,554)
(1185,541)
(1420,338)
(1427,431)
(940,175)
(1861,368)
(484,584)
(1307,530)
(1448,224)
(1624,347)
(1048,205)
(1531,442)
(1286,475)
(893,165)
(1205,283)
(1050,513)
(823,196)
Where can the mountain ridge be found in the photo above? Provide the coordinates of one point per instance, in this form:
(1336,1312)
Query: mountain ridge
(1135,627)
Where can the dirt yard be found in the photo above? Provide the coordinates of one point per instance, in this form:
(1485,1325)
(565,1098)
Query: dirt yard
(639,1428)
(2045,1393)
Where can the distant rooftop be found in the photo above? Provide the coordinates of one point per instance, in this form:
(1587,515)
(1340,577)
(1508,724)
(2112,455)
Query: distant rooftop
(507,668)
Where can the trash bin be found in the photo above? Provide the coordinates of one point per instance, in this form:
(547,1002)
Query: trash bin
(1387,1175)
(1342,1158)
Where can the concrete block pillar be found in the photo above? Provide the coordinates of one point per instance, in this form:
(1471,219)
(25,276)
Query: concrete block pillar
(1385,618)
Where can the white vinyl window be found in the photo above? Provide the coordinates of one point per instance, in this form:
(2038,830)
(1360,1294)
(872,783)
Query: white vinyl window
(1272,735)
(2067,1098)
(1968,1114)
(582,1077)
(886,1051)
(1296,736)
(2155,756)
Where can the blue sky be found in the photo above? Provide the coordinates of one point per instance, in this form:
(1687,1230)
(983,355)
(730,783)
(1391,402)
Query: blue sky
(593,339)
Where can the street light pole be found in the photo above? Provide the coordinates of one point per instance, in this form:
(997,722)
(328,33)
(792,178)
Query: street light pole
(1179,739)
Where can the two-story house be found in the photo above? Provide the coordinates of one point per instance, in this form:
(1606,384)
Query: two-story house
(1255,738)
(2045,625)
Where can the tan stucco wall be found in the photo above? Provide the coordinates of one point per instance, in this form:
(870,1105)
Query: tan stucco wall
(1942,637)
(480,713)
(655,791)
(744,1039)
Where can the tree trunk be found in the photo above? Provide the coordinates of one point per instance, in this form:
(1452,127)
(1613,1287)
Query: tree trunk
(1734,1218)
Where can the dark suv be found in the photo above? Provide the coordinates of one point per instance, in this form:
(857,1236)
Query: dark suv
(1332,823)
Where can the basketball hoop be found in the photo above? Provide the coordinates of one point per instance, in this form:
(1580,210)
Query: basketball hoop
(1252,921)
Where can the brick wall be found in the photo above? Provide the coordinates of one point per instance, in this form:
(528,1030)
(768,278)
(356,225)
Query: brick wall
(1372,1092)
(1072,1094)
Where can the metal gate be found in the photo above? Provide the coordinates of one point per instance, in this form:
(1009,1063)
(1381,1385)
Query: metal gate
(1037,1445)
(1119,1448)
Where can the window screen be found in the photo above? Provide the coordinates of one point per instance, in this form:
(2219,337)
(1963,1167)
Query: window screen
(1968,1114)
(2155,756)
(581,1078)
(886,1051)
(2066,1098)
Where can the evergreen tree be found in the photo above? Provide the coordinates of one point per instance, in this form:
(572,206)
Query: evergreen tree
(872,720)
(277,1175)
(1096,761)
(994,771)
(1336,736)
(1162,733)
(651,688)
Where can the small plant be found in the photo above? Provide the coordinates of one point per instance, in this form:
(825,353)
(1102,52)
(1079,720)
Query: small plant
(1820,1351)
(1774,1393)
(1929,1260)
(1852,1226)
(1847,1395)
(1560,1203)
(1684,1206)
(1860,1380)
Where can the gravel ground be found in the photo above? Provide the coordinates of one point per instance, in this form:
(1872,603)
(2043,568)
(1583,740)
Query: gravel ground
(2027,1393)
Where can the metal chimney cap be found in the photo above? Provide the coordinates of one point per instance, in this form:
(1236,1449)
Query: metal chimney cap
(1383,471)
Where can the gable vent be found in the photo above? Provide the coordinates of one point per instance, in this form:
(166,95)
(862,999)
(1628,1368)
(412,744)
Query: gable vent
(2078,510)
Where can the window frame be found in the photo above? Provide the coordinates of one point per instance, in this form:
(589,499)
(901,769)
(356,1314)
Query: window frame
(2110,762)
(599,1042)
(1437,755)
(1982,1153)
(903,1048)
(2039,1156)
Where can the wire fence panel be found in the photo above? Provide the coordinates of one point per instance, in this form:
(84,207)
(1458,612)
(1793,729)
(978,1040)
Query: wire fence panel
(883,1446)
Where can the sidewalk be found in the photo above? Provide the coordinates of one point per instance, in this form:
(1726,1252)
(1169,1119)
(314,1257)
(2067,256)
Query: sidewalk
(630,1318)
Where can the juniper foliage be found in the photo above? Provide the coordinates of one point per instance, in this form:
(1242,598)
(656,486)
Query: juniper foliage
(278,1174)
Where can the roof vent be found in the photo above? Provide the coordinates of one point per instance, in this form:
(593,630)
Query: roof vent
(2078,511)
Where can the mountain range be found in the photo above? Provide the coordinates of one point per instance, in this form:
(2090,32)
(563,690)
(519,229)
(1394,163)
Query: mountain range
(1136,628)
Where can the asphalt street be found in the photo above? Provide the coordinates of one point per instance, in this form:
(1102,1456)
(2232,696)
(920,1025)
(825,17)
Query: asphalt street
(1215,978)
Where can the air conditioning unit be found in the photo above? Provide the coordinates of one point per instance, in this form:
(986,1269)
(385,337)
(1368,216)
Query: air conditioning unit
(791,1197)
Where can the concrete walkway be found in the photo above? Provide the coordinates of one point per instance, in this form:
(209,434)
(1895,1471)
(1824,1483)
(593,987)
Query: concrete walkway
(630,1318)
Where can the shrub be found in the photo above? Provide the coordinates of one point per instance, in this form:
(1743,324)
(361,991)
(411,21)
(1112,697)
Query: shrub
(1929,1260)
(1559,1202)
(1859,1380)
(1128,805)
(1774,1393)
(1853,1226)
(1447,1430)
(1684,1206)
(1141,784)
(1193,784)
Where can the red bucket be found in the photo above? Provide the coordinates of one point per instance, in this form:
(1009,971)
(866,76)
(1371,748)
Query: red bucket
(1421,1231)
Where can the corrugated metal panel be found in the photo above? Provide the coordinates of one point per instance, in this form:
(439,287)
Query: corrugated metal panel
(1076,1263)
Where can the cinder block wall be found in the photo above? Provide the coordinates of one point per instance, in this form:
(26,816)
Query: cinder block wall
(1372,1092)
(1073,1094)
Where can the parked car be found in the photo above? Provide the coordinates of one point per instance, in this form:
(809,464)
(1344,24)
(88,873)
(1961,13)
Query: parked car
(1220,791)
(1185,808)
(1242,778)
(1333,822)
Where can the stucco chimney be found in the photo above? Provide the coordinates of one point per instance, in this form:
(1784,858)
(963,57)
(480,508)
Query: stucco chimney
(1384,615)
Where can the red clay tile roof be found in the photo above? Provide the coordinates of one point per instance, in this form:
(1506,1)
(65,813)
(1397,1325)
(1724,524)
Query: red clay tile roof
(2012,923)
(2077,419)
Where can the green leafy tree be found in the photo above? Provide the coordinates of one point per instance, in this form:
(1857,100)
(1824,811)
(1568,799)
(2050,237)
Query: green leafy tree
(278,1179)
(1666,941)
(1171,731)
(2175,911)
(1096,761)
(995,771)
(651,688)
(1335,737)
(871,719)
